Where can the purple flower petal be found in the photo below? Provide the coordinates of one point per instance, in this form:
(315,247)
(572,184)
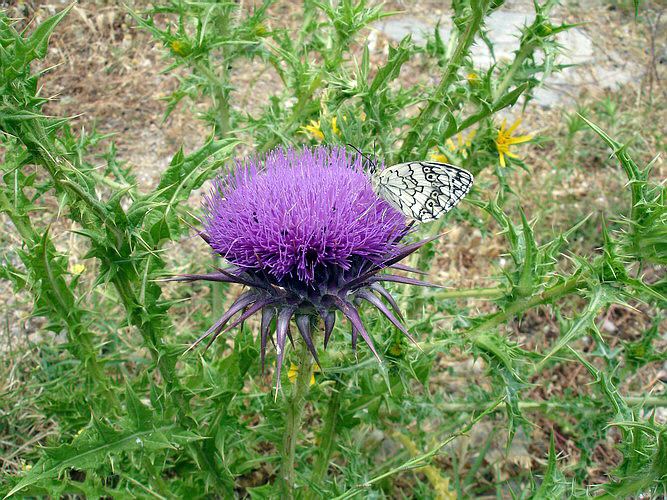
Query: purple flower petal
(329,318)
(401,254)
(408,269)
(204,277)
(252,309)
(267,316)
(299,211)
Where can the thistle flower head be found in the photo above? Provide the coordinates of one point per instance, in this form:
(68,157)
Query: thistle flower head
(308,236)
(298,214)
(505,140)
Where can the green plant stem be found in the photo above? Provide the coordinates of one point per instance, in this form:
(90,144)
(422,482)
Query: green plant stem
(220,98)
(328,435)
(423,459)
(485,112)
(81,339)
(520,57)
(295,405)
(472,293)
(464,43)
(467,407)
(476,333)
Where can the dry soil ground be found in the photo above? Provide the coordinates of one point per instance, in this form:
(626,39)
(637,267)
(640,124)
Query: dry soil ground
(108,73)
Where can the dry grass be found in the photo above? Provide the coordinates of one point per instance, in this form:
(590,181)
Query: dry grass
(108,74)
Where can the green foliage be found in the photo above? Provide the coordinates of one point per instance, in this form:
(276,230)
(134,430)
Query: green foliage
(132,417)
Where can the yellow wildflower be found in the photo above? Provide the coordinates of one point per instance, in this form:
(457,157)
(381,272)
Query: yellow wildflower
(293,373)
(180,48)
(77,268)
(334,125)
(473,78)
(314,130)
(439,157)
(505,140)
(461,141)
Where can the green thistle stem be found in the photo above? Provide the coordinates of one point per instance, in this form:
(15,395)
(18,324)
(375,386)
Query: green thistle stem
(472,293)
(420,122)
(493,321)
(328,435)
(521,56)
(468,407)
(295,405)
(81,339)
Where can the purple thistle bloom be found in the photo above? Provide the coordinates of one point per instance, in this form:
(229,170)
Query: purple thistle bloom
(306,233)
(300,213)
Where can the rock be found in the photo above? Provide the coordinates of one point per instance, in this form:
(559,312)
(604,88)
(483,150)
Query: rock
(604,70)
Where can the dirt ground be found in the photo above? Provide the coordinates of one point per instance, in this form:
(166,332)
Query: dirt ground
(107,74)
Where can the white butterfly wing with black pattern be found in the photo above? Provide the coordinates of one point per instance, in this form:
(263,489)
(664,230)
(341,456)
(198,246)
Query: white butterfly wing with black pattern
(423,190)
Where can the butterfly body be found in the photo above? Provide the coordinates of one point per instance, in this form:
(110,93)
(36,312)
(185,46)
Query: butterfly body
(422,190)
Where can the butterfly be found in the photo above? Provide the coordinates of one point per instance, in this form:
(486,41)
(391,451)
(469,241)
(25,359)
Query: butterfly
(422,190)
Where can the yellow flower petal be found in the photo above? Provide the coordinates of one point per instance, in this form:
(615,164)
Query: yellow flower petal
(314,130)
(514,125)
(78,268)
(334,125)
(293,372)
(504,140)
(519,139)
(439,157)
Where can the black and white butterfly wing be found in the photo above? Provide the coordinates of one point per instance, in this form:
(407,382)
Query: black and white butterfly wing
(423,190)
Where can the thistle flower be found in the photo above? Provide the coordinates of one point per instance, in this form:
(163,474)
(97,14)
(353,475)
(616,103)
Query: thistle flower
(308,236)
(505,140)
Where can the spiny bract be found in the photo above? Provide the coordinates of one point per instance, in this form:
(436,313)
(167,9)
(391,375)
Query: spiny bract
(306,233)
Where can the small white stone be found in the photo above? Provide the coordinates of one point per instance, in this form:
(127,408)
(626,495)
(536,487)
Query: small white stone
(608,326)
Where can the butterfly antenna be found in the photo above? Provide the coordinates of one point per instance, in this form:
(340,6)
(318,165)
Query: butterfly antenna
(365,156)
